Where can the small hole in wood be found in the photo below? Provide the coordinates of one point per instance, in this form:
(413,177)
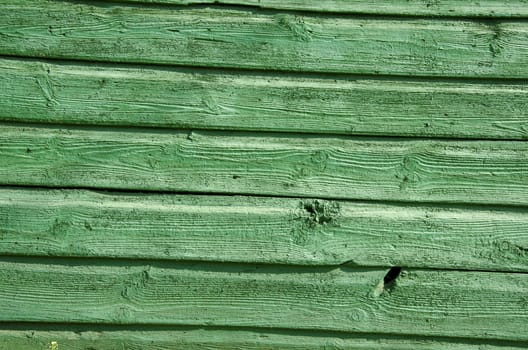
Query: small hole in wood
(388,282)
(391,276)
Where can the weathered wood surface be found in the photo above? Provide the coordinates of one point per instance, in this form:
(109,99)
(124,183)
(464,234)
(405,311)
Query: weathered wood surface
(51,92)
(114,270)
(260,230)
(451,8)
(434,303)
(315,166)
(242,38)
(89,337)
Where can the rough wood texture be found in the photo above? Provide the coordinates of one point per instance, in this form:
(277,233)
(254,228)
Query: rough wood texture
(81,337)
(259,230)
(433,303)
(49,92)
(277,88)
(405,170)
(241,38)
(451,8)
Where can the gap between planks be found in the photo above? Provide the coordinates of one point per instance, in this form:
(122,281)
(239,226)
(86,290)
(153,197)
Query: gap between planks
(413,8)
(147,192)
(237,71)
(80,336)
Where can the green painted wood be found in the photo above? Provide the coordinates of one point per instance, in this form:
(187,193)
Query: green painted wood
(451,8)
(242,38)
(259,230)
(50,92)
(114,253)
(310,166)
(433,303)
(81,337)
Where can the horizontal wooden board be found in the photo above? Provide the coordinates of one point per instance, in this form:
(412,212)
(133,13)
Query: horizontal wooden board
(267,164)
(51,92)
(81,337)
(486,8)
(248,39)
(434,303)
(259,230)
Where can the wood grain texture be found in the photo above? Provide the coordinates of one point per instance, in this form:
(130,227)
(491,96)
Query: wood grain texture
(242,38)
(51,92)
(433,303)
(259,230)
(237,163)
(451,8)
(82,337)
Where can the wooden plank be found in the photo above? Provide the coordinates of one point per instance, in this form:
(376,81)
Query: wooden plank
(451,8)
(236,163)
(431,303)
(43,91)
(259,230)
(248,39)
(81,337)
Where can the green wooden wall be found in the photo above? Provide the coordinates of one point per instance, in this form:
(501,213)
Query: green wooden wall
(263,174)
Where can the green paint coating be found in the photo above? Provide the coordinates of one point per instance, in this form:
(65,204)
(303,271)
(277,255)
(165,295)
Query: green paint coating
(451,8)
(81,337)
(41,91)
(109,270)
(430,303)
(240,38)
(259,230)
(216,162)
